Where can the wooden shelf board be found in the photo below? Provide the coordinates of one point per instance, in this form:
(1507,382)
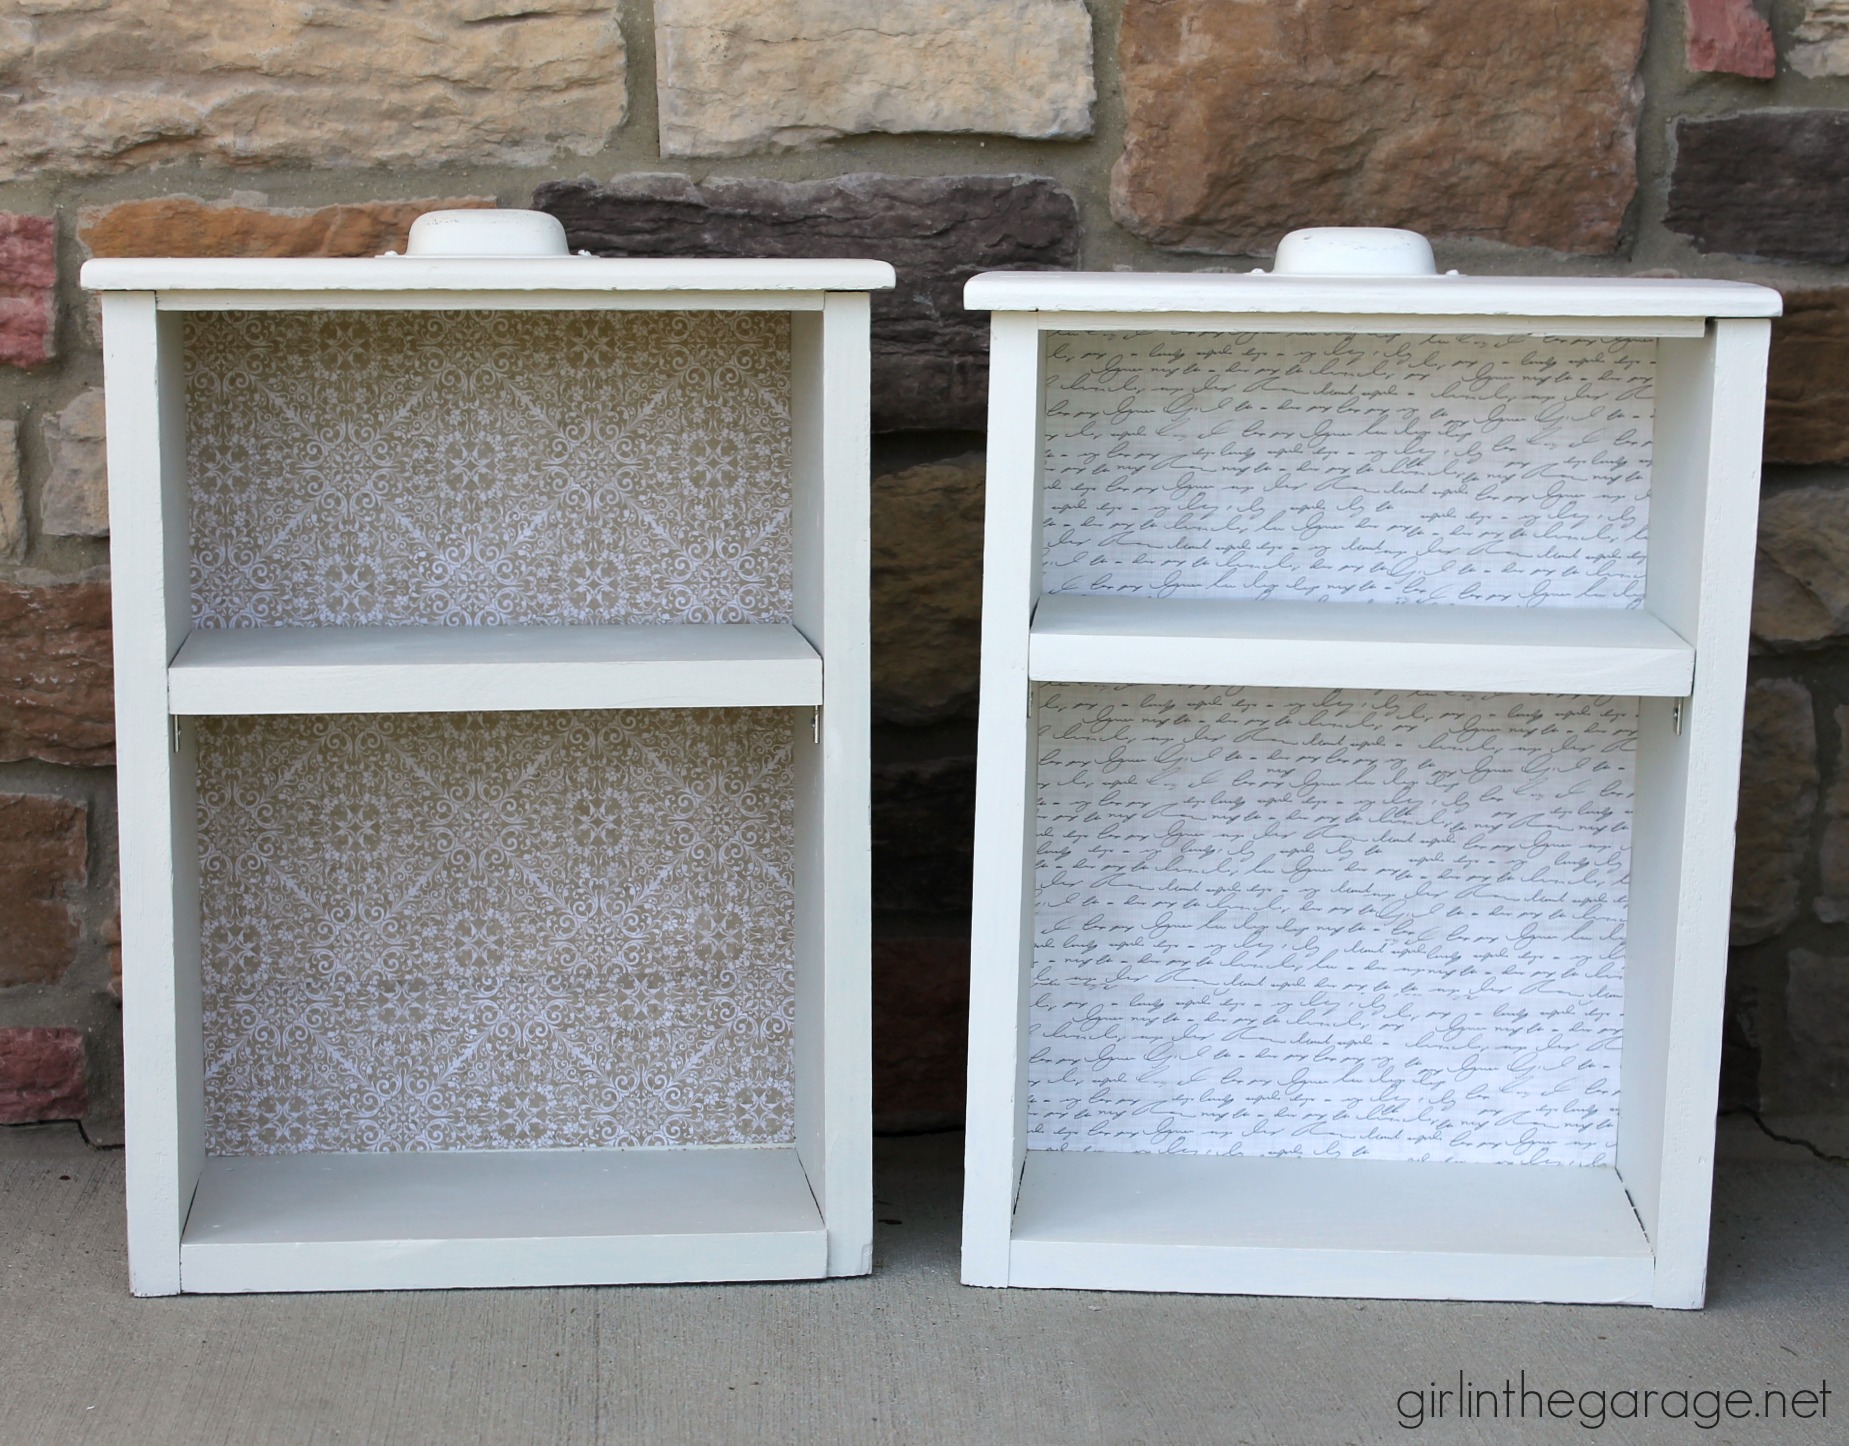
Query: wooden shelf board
(1262,1226)
(428,1220)
(438,669)
(1229,643)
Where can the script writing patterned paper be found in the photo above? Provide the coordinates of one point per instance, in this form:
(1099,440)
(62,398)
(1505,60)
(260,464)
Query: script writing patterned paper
(1351,924)
(480,931)
(1506,471)
(467,468)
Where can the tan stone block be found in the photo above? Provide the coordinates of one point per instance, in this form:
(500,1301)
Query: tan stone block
(1515,122)
(75,502)
(12,496)
(1807,378)
(187,226)
(109,87)
(1778,803)
(1801,585)
(1820,44)
(57,676)
(927,590)
(736,76)
(44,858)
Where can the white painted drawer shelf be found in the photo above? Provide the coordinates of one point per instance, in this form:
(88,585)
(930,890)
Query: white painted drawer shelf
(1362,669)
(1079,639)
(492,690)
(435,669)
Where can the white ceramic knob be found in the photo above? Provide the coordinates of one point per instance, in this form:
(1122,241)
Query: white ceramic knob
(1354,251)
(486,234)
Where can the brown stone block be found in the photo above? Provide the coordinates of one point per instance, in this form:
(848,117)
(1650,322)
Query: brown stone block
(927,590)
(44,853)
(1515,122)
(920,1032)
(930,356)
(1801,578)
(1807,381)
(57,678)
(43,1076)
(28,288)
(1770,183)
(1778,802)
(1730,36)
(186,226)
(99,86)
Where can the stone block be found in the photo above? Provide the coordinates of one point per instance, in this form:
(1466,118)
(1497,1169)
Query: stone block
(1820,44)
(44,853)
(1730,36)
(1766,183)
(930,356)
(1807,381)
(1801,582)
(57,676)
(75,502)
(1244,121)
(736,76)
(1832,902)
(43,1076)
(187,226)
(12,496)
(99,88)
(1816,1066)
(1778,804)
(28,281)
(920,1032)
(924,824)
(927,591)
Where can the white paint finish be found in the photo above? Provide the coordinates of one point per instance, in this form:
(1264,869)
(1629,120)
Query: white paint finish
(434,1220)
(1712,727)
(160,885)
(1002,896)
(391,274)
(440,669)
(1357,645)
(1710,389)
(1257,293)
(160,979)
(1212,1223)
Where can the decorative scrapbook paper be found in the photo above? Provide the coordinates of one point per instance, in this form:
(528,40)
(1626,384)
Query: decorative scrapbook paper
(1351,924)
(357,467)
(497,930)
(1507,471)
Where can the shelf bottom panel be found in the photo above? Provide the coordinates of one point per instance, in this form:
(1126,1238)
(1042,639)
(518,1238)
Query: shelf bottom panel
(1255,1226)
(429,1220)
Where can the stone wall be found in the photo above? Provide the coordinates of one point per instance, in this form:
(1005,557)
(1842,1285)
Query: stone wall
(1609,137)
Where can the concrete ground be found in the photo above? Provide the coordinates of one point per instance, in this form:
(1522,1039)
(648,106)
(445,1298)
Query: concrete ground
(905,1356)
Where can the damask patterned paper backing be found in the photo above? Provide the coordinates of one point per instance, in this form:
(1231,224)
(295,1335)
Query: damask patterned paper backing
(494,931)
(353,468)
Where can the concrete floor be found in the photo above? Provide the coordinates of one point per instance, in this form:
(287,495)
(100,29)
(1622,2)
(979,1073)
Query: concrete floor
(905,1356)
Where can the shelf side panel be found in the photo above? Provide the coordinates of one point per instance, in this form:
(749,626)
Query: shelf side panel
(160,928)
(1002,896)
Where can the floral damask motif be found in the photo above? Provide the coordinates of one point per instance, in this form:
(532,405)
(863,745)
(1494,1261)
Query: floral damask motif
(352,468)
(497,930)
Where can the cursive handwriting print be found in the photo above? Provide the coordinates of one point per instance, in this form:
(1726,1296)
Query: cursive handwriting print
(1350,924)
(1498,470)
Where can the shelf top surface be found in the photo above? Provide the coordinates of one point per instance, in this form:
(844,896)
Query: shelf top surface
(465,274)
(1262,293)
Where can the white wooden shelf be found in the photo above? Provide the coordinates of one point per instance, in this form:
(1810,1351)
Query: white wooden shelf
(1626,651)
(1212,838)
(435,1219)
(1282,1226)
(439,669)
